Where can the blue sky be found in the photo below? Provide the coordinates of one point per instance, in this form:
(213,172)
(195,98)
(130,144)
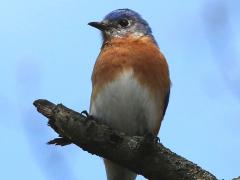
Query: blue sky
(48,51)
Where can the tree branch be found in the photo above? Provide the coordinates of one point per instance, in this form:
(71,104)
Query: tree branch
(139,154)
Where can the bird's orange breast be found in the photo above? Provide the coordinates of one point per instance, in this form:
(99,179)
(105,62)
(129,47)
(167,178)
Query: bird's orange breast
(143,57)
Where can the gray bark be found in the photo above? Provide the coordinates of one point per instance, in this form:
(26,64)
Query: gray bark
(143,155)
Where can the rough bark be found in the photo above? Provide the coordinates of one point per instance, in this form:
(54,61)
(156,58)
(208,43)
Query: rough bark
(142,155)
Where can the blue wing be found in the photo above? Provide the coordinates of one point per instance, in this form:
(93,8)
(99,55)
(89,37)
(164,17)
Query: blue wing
(166,100)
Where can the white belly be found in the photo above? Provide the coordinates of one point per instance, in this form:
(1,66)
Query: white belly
(126,105)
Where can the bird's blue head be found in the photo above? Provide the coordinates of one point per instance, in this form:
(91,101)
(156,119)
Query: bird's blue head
(121,23)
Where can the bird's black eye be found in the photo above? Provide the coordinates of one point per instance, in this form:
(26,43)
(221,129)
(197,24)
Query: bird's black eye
(123,22)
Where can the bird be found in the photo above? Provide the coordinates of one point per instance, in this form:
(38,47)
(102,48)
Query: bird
(130,80)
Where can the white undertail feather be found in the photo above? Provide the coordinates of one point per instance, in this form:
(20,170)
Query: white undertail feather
(125,105)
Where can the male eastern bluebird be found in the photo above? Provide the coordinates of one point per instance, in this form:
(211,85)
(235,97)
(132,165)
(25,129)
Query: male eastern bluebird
(130,80)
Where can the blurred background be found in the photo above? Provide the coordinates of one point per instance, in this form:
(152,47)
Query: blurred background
(48,51)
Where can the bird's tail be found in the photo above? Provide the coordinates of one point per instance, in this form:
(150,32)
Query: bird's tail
(117,172)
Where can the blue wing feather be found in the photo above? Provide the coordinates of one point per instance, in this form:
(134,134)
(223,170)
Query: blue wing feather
(166,100)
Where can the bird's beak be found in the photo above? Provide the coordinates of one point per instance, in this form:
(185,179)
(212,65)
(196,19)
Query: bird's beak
(99,25)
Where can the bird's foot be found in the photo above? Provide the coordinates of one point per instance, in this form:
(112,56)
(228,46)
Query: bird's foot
(151,138)
(86,114)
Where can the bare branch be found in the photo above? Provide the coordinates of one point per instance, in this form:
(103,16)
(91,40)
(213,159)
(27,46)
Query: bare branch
(140,154)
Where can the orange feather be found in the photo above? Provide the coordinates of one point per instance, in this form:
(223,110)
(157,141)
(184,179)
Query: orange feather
(150,69)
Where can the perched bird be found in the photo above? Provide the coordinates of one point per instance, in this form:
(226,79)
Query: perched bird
(130,80)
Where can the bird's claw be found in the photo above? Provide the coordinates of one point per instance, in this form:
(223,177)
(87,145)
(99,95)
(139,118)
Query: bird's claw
(152,138)
(86,114)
